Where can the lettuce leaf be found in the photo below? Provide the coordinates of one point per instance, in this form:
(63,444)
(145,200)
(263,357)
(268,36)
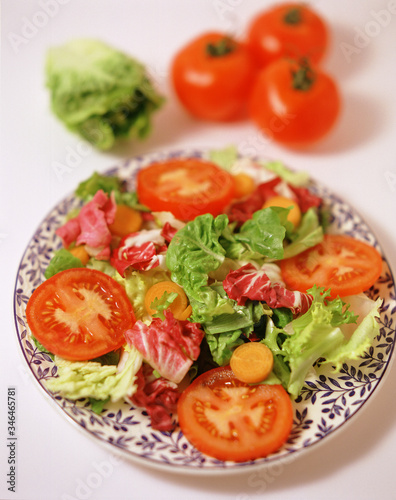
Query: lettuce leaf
(361,338)
(241,318)
(136,284)
(88,188)
(193,253)
(102,265)
(62,260)
(90,379)
(226,157)
(223,344)
(318,334)
(99,92)
(224,333)
(308,234)
(297,179)
(265,231)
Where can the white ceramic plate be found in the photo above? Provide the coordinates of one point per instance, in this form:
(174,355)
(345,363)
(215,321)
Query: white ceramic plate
(327,401)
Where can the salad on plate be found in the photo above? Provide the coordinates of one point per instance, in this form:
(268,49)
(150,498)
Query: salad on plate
(206,294)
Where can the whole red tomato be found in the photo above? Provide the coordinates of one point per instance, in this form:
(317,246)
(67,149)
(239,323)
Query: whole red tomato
(287,30)
(212,77)
(293,103)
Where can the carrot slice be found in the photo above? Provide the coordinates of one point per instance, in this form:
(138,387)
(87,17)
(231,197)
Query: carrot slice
(252,362)
(185,314)
(80,253)
(127,220)
(178,306)
(294,216)
(244,185)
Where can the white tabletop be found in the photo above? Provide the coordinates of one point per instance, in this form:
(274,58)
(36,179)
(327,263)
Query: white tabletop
(357,161)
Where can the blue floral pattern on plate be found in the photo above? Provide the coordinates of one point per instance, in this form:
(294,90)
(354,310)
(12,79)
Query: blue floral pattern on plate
(327,400)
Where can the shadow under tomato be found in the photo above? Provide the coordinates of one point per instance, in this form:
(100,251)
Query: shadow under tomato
(351,51)
(362,120)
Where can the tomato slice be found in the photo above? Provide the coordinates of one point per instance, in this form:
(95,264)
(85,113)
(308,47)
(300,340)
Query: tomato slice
(185,187)
(341,263)
(231,420)
(80,314)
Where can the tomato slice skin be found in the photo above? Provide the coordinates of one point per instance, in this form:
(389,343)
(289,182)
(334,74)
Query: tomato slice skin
(345,265)
(231,420)
(80,314)
(186,187)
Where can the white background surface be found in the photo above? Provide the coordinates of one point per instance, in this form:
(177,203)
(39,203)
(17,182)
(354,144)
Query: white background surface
(358,162)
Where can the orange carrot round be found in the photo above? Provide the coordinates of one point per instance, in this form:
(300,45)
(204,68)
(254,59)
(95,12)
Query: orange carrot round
(178,306)
(127,220)
(185,314)
(294,216)
(80,253)
(244,185)
(252,362)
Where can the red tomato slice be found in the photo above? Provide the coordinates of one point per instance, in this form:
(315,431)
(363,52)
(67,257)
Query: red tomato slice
(231,420)
(341,263)
(185,187)
(80,314)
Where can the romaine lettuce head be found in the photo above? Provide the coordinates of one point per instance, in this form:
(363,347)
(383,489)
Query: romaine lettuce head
(100,92)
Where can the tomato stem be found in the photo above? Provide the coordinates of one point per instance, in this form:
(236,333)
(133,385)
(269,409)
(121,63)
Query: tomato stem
(293,16)
(304,77)
(221,48)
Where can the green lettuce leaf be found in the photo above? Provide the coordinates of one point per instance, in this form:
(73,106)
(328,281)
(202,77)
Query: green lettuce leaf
(90,379)
(361,338)
(109,184)
(136,285)
(318,334)
(274,337)
(224,158)
(100,92)
(62,260)
(88,188)
(193,253)
(102,265)
(97,405)
(223,344)
(265,231)
(308,234)
(298,179)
